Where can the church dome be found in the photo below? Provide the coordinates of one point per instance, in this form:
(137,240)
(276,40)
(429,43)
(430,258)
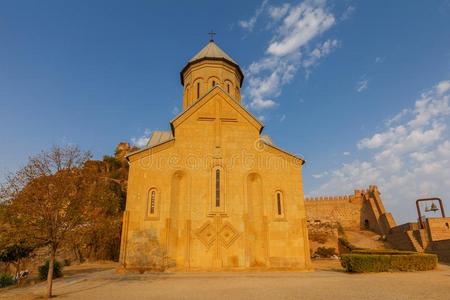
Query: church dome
(211,52)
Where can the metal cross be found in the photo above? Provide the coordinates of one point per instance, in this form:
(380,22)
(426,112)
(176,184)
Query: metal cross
(211,36)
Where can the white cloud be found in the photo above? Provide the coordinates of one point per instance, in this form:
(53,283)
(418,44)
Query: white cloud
(348,12)
(346,153)
(319,52)
(362,85)
(278,12)
(443,87)
(379,59)
(295,27)
(142,140)
(250,23)
(261,118)
(303,22)
(397,118)
(407,161)
(320,175)
(283,117)
(175,110)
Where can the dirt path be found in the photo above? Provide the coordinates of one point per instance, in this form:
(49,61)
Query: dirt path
(365,239)
(327,282)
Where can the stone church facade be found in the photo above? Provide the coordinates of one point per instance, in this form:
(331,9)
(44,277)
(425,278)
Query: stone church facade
(213,193)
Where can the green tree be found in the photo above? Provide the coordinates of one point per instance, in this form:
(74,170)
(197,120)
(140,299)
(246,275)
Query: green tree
(15,253)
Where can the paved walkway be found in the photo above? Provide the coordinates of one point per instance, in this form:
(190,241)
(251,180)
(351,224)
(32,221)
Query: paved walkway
(327,282)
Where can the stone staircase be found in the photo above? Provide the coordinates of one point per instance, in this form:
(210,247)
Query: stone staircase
(416,246)
(408,237)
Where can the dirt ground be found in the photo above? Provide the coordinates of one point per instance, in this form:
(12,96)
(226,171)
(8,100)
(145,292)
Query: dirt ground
(328,281)
(365,239)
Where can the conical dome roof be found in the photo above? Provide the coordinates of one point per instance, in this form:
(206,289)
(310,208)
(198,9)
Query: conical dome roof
(213,52)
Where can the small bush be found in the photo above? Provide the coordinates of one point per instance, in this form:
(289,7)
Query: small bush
(340,229)
(383,252)
(325,251)
(57,270)
(5,280)
(361,263)
(66,262)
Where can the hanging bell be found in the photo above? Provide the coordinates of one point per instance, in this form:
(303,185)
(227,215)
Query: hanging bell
(433,207)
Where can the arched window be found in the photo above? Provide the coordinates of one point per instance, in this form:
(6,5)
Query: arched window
(213,83)
(228,88)
(152,203)
(217,188)
(198,90)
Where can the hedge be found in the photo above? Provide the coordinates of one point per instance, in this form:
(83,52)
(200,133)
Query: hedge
(361,263)
(325,251)
(383,252)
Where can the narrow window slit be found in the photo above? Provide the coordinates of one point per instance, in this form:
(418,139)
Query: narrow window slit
(279,204)
(217,188)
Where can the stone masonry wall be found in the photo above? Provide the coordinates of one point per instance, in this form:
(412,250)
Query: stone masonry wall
(362,210)
(439,228)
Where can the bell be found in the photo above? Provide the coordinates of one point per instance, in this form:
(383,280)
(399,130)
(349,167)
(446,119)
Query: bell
(433,207)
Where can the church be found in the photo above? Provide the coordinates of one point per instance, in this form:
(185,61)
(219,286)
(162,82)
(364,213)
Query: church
(214,193)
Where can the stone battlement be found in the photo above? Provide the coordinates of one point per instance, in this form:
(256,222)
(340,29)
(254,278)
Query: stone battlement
(346,198)
(363,209)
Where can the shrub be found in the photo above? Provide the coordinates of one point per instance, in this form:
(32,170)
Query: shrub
(325,251)
(361,263)
(349,246)
(57,270)
(66,262)
(5,280)
(383,252)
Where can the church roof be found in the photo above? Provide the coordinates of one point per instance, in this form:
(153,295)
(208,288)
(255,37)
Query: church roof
(212,52)
(159,137)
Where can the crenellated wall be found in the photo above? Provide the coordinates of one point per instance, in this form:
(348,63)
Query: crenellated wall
(362,210)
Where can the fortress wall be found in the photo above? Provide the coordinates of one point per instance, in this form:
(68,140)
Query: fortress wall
(362,210)
(345,210)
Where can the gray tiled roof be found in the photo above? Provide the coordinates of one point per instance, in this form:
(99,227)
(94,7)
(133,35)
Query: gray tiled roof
(159,137)
(211,50)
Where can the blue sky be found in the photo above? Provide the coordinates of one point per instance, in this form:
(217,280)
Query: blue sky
(360,89)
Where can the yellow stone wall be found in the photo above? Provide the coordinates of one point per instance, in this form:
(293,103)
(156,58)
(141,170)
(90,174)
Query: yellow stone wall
(202,75)
(186,228)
